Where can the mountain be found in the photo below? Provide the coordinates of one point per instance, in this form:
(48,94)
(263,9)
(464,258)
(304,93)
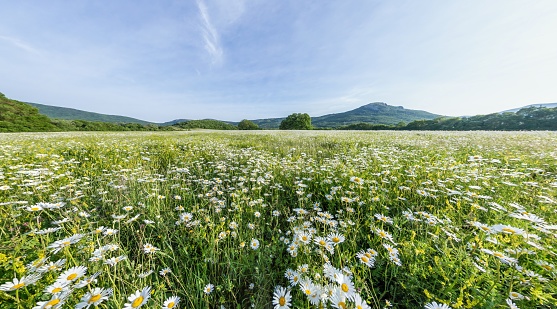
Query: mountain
(547,105)
(65,113)
(372,113)
(17,116)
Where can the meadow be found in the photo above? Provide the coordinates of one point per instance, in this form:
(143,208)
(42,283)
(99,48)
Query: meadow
(269,219)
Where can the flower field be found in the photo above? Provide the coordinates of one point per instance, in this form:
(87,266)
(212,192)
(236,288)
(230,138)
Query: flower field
(278,220)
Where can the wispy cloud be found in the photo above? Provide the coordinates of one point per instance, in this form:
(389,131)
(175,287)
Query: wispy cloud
(210,34)
(20,44)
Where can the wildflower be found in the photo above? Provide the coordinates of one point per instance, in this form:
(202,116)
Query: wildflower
(359,303)
(63,243)
(145,274)
(511,304)
(208,289)
(86,281)
(365,259)
(19,283)
(338,299)
(115,260)
(148,248)
(57,287)
(346,286)
(138,299)
(56,301)
(281,298)
(254,244)
(304,237)
(507,229)
(171,302)
(165,271)
(434,305)
(383,234)
(336,238)
(383,218)
(72,274)
(515,296)
(95,297)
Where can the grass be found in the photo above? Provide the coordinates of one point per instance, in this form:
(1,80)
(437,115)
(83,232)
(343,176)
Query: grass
(223,219)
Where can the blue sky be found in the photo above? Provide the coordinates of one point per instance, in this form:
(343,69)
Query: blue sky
(230,60)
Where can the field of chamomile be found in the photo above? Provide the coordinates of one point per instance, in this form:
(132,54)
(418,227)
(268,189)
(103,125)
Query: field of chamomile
(316,219)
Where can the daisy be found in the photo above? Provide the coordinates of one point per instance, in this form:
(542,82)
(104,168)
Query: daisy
(165,271)
(19,283)
(55,302)
(148,248)
(365,259)
(171,302)
(307,287)
(346,286)
(359,303)
(434,305)
(281,298)
(511,304)
(336,238)
(208,289)
(138,299)
(145,274)
(95,297)
(72,274)
(86,281)
(384,234)
(338,299)
(57,287)
(52,266)
(254,244)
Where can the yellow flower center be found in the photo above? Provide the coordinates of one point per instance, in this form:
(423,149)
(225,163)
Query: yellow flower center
(342,304)
(359,307)
(35,208)
(336,239)
(304,238)
(94,298)
(137,302)
(17,286)
(307,291)
(497,254)
(547,267)
(51,303)
(170,305)
(364,259)
(56,290)
(282,301)
(344,287)
(72,276)
(509,230)
(322,243)
(382,234)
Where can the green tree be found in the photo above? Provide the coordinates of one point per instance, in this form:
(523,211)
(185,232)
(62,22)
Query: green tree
(247,125)
(296,121)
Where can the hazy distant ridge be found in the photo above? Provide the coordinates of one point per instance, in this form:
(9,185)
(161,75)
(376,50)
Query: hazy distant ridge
(56,112)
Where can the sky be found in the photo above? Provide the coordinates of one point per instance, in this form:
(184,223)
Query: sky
(250,59)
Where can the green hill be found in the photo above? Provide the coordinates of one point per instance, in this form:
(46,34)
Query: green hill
(372,113)
(17,116)
(65,113)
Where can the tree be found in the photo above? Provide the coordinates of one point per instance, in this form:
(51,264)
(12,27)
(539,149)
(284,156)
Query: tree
(247,125)
(296,121)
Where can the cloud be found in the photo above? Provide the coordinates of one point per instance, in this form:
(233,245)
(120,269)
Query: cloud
(20,44)
(210,34)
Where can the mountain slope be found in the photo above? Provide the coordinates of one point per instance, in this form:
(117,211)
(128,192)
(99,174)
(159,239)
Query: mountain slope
(17,116)
(56,112)
(372,113)
(546,105)
(375,113)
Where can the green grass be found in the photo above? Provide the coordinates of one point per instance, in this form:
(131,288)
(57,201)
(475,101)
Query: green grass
(208,195)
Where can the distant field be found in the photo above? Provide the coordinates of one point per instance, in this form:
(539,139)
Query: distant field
(273,219)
